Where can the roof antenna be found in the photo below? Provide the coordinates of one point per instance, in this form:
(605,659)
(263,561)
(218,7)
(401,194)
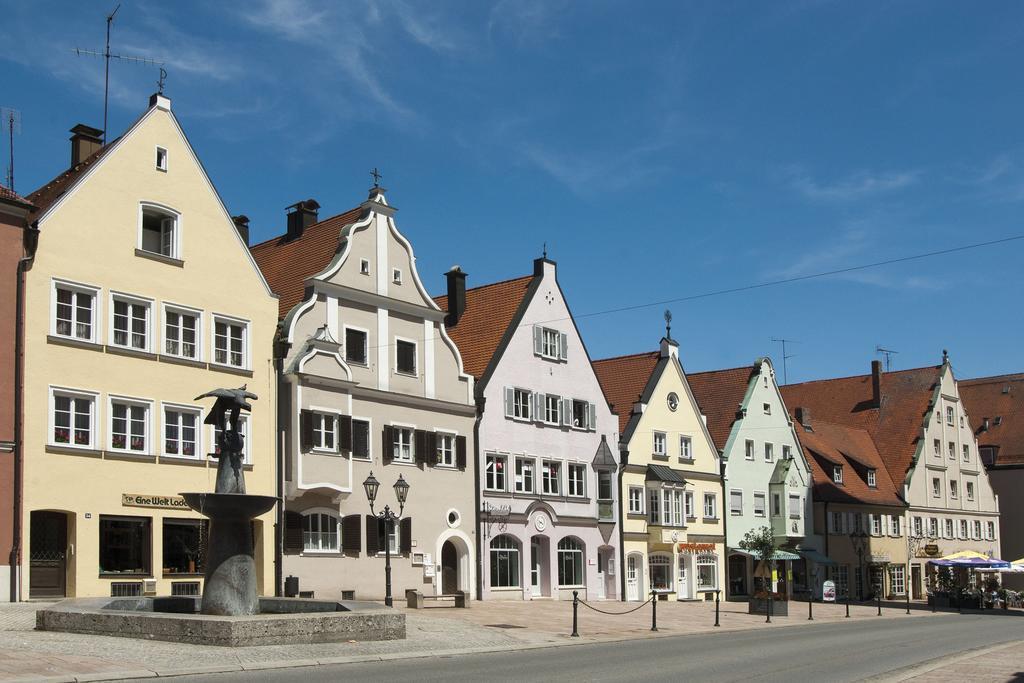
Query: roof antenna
(668,324)
(545,250)
(106,55)
(888,354)
(11,120)
(785,358)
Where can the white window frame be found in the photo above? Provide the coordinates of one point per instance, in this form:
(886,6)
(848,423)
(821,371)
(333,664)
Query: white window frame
(876,525)
(519,483)
(918,528)
(93,398)
(661,559)
(706,561)
(733,512)
(130,300)
(197,412)
(499,473)
(585,426)
(713,500)
(130,402)
(936,487)
(158,159)
(396,276)
(969,490)
(769,452)
(318,443)
(837,474)
(872,479)
(660,439)
(952,450)
(549,401)
(76,288)
(245,427)
(320,549)
(446,457)
(895,526)
(550,343)
(898,579)
(990,530)
(369,438)
(415,357)
(546,479)
(688,510)
(176,239)
(748,452)
(937,447)
(364,266)
(246,341)
(685,447)
(953,492)
(933,527)
(366,345)
(180,310)
(963,528)
(950,415)
(795,506)
(976,528)
(763,497)
(571,482)
(397,443)
(636,500)
(947,528)
(522,404)
(967,452)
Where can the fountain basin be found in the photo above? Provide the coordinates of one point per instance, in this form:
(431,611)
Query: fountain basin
(228,505)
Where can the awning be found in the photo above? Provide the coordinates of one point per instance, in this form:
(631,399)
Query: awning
(814,556)
(665,474)
(779,554)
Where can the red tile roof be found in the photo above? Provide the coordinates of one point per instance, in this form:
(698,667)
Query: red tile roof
(9,195)
(831,444)
(44,197)
(999,399)
(623,379)
(719,394)
(490,309)
(287,264)
(895,426)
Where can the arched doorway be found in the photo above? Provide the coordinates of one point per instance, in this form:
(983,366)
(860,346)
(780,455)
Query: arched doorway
(449,568)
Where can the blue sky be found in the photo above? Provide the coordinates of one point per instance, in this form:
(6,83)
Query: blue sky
(660,149)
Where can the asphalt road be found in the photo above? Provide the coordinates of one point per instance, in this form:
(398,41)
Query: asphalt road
(826,652)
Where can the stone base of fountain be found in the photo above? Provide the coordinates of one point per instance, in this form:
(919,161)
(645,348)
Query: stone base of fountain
(281,621)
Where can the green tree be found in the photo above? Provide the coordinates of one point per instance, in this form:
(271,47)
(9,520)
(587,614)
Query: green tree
(761,544)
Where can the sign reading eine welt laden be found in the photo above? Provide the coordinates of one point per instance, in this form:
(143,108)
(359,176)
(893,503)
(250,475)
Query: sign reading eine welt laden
(140,500)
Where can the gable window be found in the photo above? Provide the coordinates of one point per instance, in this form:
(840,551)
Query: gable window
(660,443)
(324,431)
(549,343)
(181,330)
(517,403)
(552,409)
(158,233)
(131,323)
(320,532)
(936,487)
(361,439)
(967,453)
(685,448)
(355,346)
(161,159)
(787,452)
(402,448)
(749,449)
(550,472)
(524,475)
(759,504)
(710,505)
(180,429)
(129,426)
(949,415)
(74,419)
(494,473)
(735,502)
(837,474)
(396,276)
(230,339)
(405,357)
(769,452)
(952,488)
(961,422)
(871,478)
(577,480)
(74,312)
(446,449)
(937,445)
(364,266)
(952,451)
(583,414)
(636,500)
(767,407)
(970,490)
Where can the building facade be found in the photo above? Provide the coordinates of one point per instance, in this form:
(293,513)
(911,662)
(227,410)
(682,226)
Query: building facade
(670,486)
(141,296)
(766,476)
(545,448)
(370,382)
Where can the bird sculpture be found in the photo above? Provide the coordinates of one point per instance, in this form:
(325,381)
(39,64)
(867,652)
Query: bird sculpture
(224,415)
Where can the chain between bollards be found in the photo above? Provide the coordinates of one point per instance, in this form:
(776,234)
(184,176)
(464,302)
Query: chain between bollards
(654,611)
(717,594)
(575,608)
(847,597)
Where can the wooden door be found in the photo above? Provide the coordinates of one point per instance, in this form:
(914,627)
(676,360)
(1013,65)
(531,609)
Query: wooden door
(48,543)
(449,569)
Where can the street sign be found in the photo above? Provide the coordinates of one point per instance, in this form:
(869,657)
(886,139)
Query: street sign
(828,591)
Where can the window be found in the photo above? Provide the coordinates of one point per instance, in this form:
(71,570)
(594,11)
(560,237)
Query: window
(688,502)
(582,414)
(961,422)
(74,420)
(963,528)
(520,404)
(129,426)
(183,546)
(933,527)
(794,506)
(604,485)
(320,532)
(776,505)
(949,415)
(524,475)
(676,497)
(131,324)
(707,572)
(396,276)
(660,441)
(990,528)
(769,452)
(787,452)
(759,504)
(161,159)
(876,525)
(570,562)
(405,357)
(977,529)
(967,453)
(841,577)
(243,431)
(364,266)
(494,473)
(125,545)
(504,562)
(653,507)
(549,343)
(952,488)
(402,448)
(636,500)
(74,312)
(871,478)
(391,540)
(549,477)
(710,503)
(895,526)
(947,528)
(159,232)
(685,448)
(749,449)
(229,342)
(446,449)
(936,487)
(897,579)
(576,480)
(671,506)
(918,528)
(355,346)
(735,502)
(324,432)
(552,409)
(361,439)
(837,474)
(837,522)
(767,407)
(181,330)
(660,572)
(970,490)
(937,446)
(180,432)
(952,451)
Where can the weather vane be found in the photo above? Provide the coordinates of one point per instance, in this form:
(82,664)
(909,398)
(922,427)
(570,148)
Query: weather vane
(668,324)
(376,176)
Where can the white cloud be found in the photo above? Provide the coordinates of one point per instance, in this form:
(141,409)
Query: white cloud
(852,187)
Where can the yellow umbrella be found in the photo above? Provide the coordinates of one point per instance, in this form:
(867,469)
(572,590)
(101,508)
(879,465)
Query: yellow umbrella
(1020,561)
(966,555)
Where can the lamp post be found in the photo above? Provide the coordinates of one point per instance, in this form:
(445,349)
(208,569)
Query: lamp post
(859,539)
(388,516)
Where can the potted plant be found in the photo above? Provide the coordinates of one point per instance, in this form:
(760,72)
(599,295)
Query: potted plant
(761,544)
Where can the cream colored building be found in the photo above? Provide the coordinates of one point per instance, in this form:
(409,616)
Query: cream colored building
(673,536)
(142,296)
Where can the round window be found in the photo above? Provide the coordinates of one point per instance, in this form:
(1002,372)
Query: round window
(454,518)
(673,401)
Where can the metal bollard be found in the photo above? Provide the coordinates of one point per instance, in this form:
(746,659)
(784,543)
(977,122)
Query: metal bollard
(717,592)
(768,619)
(654,611)
(878,599)
(847,596)
(935,602)
(810,607)
(575,607)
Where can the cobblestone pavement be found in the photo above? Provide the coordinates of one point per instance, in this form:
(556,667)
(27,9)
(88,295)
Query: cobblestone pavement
(1001,663)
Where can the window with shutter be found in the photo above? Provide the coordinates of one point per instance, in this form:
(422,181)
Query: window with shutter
(509,401)
(420,446)
(351,539)
(405,536)
(387,445)
(460,452)
(292,532)
(372,535)
(563,346)
(538,340)
(306,430)
(345,433)
(360,439)
(592,418)
(567,412)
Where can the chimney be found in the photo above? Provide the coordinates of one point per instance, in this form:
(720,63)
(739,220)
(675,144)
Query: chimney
(456,294)
(85,140)
(242,226)
(803,416)
(876,383)
(301,215)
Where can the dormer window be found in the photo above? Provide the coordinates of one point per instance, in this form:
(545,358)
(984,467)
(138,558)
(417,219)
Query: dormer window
(158,232)
(161,159)
(364,266)
(871,478)
(837,474)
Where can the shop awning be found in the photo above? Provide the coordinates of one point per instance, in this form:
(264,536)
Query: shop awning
(779,554)
(814,556)
(665,474)
(970,558)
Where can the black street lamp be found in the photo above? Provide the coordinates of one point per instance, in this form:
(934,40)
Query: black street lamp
(388,516)
(859,539)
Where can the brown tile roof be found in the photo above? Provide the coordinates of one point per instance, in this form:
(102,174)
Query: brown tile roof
(719,394)
(999,397)
(831,444)
(287,264)
(623,379)
(490,310)
(9,195)
(895,427)
(45,196)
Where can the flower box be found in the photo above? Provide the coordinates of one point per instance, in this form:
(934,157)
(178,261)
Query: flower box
(780,608)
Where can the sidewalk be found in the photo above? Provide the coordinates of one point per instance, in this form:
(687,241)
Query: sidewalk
(26,654)
(1000,663)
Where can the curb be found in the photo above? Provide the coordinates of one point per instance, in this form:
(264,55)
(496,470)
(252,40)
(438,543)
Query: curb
(915,670)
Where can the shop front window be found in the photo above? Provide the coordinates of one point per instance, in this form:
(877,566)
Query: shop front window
(125,544)
(660,571)
(707,572)
(183,544)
